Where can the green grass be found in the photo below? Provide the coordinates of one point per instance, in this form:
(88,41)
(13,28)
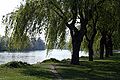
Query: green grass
(35,72)
(107,69)
(90,71)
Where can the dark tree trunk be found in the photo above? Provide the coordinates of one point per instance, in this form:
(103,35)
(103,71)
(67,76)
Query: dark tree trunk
(76,48)
(90,44)
(77,38)
(110,45)
(91,40)
(107,48)
(102,46)
(90,47)
(77,35)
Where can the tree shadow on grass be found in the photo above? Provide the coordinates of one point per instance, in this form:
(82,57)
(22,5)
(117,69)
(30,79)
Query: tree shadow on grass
(39,73)
(83,75)
(74,74)
(116,57)
(101,71)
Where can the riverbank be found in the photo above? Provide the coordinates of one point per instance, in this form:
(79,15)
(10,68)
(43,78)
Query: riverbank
(36,56)
(107,69)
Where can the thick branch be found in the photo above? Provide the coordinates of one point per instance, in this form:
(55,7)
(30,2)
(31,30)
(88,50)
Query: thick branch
(72,27)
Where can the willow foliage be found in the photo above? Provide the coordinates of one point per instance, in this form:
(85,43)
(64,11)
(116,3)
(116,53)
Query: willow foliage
(108,22)
(51,16)
(34,16)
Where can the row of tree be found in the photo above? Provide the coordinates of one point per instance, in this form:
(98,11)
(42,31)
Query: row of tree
(92,21)
(6,44)
(104,26)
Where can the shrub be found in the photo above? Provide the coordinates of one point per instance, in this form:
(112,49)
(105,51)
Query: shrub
(51,60)
(16,64)
(66,60)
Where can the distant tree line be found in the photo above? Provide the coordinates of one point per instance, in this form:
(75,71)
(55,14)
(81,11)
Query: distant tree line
(32,45)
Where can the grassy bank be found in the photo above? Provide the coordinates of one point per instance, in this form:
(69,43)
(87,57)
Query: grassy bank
(107,69)
(34,72)
(90,71)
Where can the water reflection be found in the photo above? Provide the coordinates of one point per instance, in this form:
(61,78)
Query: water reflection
(36,56)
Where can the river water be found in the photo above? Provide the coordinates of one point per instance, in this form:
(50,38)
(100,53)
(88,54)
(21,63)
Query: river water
(36,56)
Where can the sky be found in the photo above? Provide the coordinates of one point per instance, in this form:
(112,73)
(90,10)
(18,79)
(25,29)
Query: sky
(7,6)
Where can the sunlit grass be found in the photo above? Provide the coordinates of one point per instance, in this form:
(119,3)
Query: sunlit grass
(36,72)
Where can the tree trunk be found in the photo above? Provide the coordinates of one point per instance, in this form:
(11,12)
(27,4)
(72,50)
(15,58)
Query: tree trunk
(77,38)
(107,48)
(102,48)
(91,40)
(75,54)
(110,45)
(90,47)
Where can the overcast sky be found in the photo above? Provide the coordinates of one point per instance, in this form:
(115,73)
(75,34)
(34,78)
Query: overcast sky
(7,6)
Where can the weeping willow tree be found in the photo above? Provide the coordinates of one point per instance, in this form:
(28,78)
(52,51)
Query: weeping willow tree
(54,16)
(108,24)
(18,44)
(15,28)
(116,33)
(107,27)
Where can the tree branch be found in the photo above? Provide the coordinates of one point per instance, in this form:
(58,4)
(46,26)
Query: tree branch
(58,8)
(58,13)
(87,37)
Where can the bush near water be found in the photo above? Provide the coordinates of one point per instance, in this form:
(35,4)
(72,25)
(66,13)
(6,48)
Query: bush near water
(51,60)
(16,64)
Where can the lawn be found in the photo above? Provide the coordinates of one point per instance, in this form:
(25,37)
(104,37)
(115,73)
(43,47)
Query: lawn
(107,69)
(35,72)
(96,70)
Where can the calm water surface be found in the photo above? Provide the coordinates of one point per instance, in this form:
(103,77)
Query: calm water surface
(36,56)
